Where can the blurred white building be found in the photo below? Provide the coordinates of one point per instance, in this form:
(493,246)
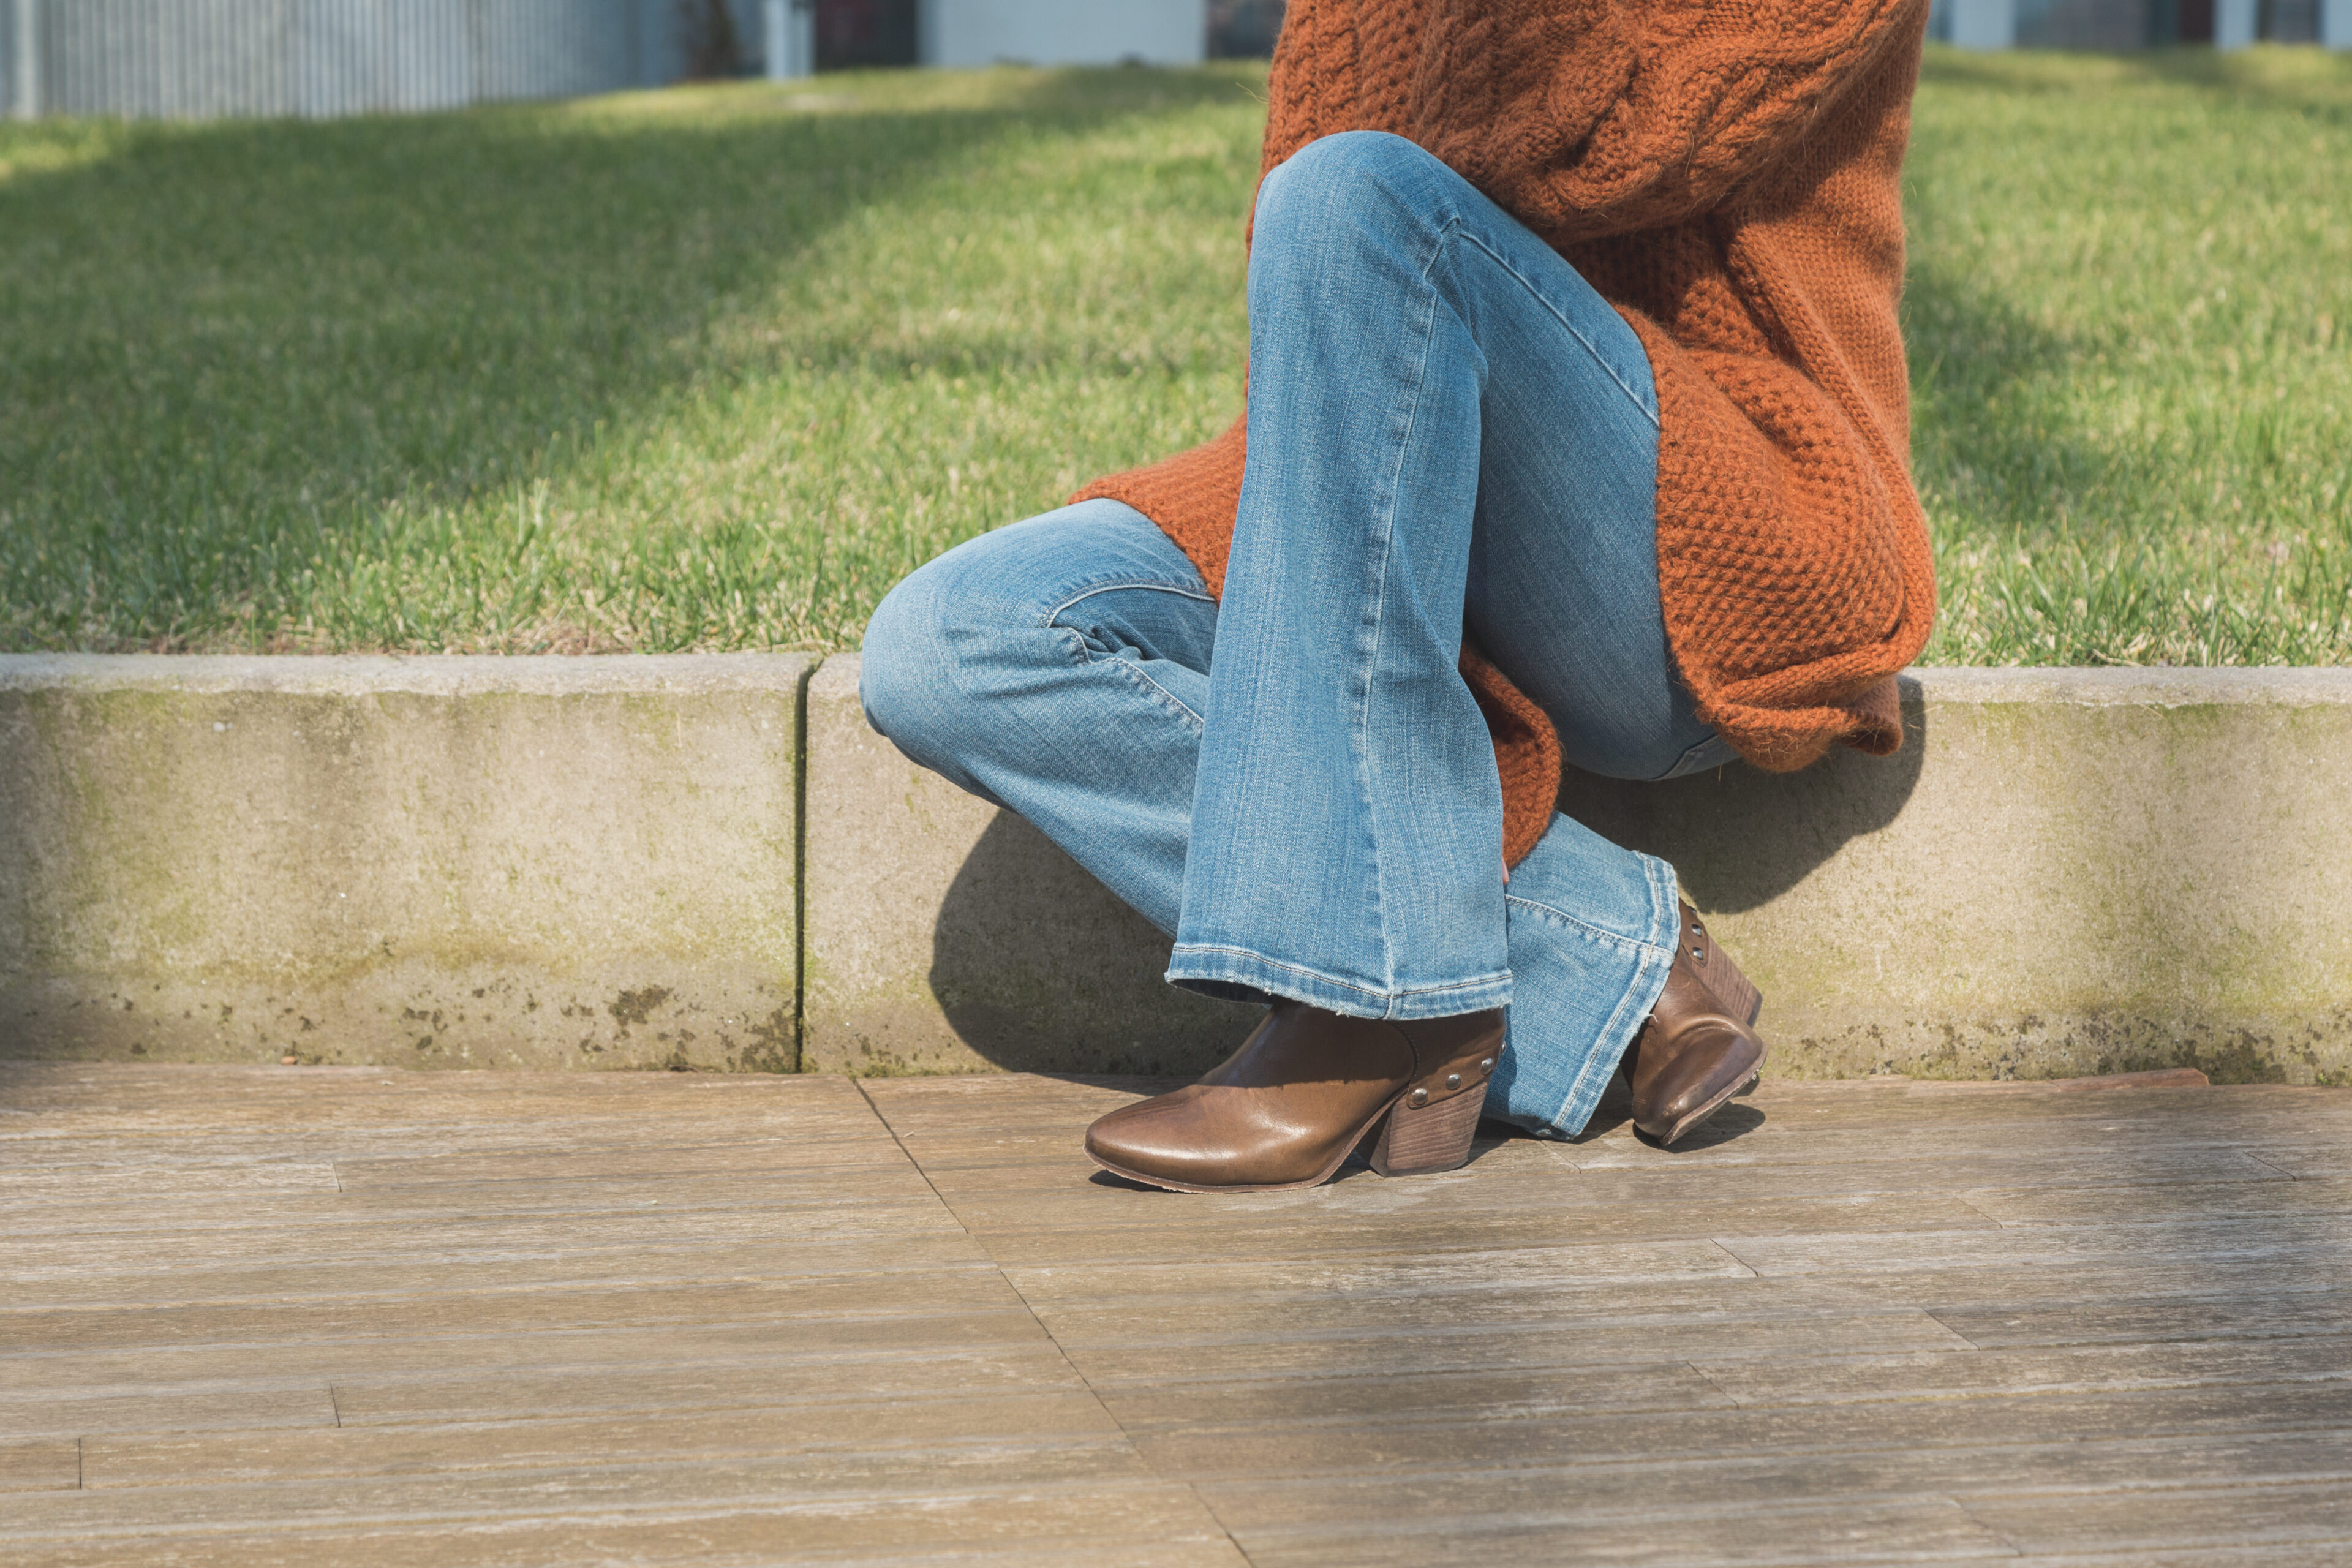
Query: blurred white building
(1064,32)
(198,58)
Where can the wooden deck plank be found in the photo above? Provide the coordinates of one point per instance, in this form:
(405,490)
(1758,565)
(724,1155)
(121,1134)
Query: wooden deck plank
(2171,1202)
(677,1259)
(2291,1514)
(2187,1244)
(39,1464)
(1596,1266)
(417,1317)
(1109,1523)
(983,1533)
(1660,1536)
(2321,1553)
(2007,1483)
(1508,1170)
(357,1360)
(1366,1402)
(1369,1232)
(210,1177)
(1247,1353)
(746,1384)
(903,1480)
(1570,1284)
(2054,1370)
(1559,1423)
(152,1409)
(790,1201)
(28,1192)
(2113,1320)
(936,1420)
(271,1313)
(441,1141)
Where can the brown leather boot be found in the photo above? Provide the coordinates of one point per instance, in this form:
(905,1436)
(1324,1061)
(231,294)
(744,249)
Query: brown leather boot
(1697,1049)
(1305,1089)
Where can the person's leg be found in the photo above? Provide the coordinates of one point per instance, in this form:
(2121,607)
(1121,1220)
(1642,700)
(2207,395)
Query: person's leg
(1444,420)
(1000,665)
(1058,667)
(1562,591)
(1346,825)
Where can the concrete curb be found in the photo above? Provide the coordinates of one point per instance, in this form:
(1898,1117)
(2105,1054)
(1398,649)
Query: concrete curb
(2064,873)
(424,862)
(597,862)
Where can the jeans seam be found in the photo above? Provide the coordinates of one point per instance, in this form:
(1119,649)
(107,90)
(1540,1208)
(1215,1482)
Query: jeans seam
(1607,369)
(1650,955)
(1113,585)
(1614,939)
(1119,584)
(1653,957)
(1196,722)
(1390,993)
(1377,613)
(1081,655)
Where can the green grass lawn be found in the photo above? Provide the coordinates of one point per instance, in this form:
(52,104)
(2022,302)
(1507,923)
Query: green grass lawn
(713,368)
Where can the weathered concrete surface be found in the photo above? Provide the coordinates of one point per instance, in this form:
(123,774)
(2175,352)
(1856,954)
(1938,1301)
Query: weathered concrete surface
(948,936)
(421,862)
(2065,873)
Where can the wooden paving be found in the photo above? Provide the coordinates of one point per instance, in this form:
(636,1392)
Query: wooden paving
(339,1319)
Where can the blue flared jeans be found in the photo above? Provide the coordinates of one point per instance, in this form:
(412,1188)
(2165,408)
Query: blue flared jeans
(1448,428)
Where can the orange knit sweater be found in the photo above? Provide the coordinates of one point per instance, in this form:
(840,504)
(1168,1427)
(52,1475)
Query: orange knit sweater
(1725,174)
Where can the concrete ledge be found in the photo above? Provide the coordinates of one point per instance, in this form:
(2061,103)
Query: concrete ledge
(2066,873)
(423,862)
(592,862)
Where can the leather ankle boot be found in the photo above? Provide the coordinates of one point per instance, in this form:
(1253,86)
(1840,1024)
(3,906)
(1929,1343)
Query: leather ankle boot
(1304,1089)
(1697,1047)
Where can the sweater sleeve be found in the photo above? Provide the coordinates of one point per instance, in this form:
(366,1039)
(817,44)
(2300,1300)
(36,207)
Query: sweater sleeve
(1342,65)
(1624,115)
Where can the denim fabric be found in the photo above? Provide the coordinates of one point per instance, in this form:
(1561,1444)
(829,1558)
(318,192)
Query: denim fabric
(1446,423)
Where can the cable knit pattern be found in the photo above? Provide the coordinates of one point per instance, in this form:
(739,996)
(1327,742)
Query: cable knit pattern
(1725,174)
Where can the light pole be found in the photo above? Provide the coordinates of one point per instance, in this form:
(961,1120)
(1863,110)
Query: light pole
(1984,23)
(28,59)
(792,38)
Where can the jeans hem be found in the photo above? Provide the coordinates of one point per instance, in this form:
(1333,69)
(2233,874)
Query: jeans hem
(1655,963)
(1237,973)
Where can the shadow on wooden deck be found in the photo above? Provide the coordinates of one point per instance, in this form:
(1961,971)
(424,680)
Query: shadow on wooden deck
(313,1315)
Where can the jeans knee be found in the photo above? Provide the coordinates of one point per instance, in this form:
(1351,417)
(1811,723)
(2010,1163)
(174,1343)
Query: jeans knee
(898,679)
(944,642)
(1347,177)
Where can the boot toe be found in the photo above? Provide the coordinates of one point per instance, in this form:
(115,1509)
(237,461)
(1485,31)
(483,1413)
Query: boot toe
(1717,1060)
(1153,1141)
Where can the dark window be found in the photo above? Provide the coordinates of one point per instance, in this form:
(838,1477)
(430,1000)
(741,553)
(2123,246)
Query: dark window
(1243,29)
(854,33)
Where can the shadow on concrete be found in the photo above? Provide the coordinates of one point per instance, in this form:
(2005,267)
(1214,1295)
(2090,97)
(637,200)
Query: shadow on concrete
(1739,838)
(1040,968)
